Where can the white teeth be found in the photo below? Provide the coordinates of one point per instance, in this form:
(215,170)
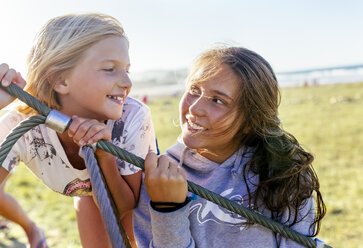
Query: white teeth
(118,98)
(193,125)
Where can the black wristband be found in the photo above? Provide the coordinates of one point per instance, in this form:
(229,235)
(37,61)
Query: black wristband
(170,206)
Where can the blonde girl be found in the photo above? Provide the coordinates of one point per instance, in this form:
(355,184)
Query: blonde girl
(79,65)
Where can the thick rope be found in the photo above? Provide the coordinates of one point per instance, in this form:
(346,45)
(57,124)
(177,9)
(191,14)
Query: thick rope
(25,97)
(110,218)
(107,208)
(208,195)
(217,199)
(16,133)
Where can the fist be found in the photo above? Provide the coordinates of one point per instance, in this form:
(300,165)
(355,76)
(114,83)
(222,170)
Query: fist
(164,180)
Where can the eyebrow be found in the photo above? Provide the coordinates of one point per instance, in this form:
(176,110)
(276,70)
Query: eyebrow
(113,61)
(222,94)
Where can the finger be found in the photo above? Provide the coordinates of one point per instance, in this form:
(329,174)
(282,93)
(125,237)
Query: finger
(83,130)
(181,172)
(4,68)
(76,121)
(163,162)
(151,162)
(97,133)
(10,76)
(75,125)
(173,170)
(20,81)
(163,168)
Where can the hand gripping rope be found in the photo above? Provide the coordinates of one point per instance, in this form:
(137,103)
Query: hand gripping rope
(60,123)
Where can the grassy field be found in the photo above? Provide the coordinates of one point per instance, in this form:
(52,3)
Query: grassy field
(327,120)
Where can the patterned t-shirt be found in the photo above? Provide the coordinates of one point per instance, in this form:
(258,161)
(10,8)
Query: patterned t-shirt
(42,152)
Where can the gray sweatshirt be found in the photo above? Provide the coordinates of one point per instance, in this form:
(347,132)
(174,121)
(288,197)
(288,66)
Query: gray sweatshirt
(204,224)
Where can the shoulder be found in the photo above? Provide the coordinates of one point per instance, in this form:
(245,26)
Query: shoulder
(12,118)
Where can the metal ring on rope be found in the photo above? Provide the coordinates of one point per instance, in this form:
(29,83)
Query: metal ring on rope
(192,187)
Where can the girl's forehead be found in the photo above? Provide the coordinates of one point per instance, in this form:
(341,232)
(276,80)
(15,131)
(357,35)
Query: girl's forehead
(109,48)
(221,75)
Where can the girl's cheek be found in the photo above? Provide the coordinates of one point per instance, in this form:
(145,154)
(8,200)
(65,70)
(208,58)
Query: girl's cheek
(183,105)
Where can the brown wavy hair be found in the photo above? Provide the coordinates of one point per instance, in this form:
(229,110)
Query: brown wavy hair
(286,176)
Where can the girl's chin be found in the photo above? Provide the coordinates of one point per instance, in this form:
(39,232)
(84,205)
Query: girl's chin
(191,142)
(116,115)
(115,118)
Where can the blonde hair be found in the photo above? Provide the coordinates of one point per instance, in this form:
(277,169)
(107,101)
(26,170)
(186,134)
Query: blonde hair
(58,48)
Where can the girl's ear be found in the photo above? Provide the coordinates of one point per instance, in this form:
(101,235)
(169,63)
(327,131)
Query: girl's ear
(61,87)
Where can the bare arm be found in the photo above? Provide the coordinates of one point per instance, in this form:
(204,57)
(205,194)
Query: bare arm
(124,189)
(3,174)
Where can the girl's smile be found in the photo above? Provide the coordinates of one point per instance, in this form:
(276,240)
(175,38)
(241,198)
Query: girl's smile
(116,99)
(192,126)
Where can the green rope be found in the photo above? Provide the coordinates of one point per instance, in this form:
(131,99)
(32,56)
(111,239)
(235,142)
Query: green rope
(16,133)
(192,187)
(103,195)
(25,97)
(36,120)
(218,199)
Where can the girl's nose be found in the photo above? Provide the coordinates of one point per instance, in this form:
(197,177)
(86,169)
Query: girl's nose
(198,106)
(124,80)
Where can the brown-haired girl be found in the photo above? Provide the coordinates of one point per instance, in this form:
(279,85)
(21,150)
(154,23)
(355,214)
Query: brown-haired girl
(231,143)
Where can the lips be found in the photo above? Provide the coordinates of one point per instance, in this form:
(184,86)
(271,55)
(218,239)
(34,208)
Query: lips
(116,98)
(192,126)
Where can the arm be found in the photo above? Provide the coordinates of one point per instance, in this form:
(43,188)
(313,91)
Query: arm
(85,131)
(166,183)
(124,189)
(8,75)
(16,154)
(3,174)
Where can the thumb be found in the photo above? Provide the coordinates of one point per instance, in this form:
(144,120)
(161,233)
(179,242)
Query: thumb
(151,162)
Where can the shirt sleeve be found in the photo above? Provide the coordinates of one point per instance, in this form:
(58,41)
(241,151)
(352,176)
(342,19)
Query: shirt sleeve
(138,137)
(305,219)
(171,230)
(7,123)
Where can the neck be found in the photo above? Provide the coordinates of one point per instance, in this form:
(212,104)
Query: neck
(67,142)
(71,149)
(218,157)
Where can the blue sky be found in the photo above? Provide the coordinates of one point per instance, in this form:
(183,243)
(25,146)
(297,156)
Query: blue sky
(291,35)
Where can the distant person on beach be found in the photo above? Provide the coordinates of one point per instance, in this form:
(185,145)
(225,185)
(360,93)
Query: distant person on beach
(231,143)
(9,207)
(145,99)
(79,66)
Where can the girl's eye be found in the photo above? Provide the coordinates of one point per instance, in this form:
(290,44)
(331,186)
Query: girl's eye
(218,101)
(109,69)
(194,90)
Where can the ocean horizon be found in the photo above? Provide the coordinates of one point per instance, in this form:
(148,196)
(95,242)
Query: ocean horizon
(171,82)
